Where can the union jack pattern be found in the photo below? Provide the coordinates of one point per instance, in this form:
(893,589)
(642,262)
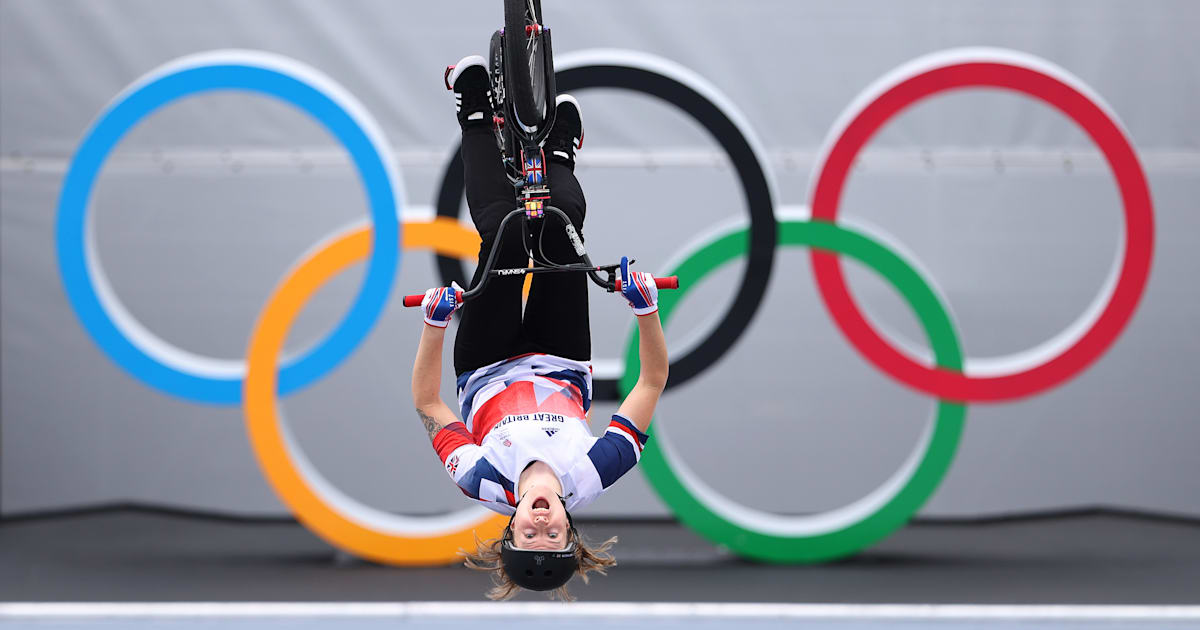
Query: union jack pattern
(534,171)
(533,407)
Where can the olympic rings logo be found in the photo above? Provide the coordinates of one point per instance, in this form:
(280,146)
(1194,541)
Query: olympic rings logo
(953,379)
(341,520)
(394,539)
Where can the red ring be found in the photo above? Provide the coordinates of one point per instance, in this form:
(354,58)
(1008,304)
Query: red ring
(1135,198)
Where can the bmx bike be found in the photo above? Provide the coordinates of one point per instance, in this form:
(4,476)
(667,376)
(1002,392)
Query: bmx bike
(521,63)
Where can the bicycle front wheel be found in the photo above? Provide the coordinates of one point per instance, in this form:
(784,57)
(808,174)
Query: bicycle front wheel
(525,67)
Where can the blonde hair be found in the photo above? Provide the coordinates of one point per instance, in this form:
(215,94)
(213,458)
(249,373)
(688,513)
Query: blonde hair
(487,558)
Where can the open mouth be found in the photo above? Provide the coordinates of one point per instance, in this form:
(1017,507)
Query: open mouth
(541,503)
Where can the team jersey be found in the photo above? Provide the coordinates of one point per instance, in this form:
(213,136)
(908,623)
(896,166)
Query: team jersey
(533,407)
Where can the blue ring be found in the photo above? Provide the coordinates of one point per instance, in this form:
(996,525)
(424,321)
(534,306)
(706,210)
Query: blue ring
(127,112)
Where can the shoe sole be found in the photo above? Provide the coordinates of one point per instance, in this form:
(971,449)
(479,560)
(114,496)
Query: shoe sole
(567,98)
(469,61)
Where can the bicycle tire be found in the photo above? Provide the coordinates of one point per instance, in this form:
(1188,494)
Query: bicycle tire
(504,136)
(525,77)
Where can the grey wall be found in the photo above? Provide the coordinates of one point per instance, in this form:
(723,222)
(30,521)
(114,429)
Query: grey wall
(204,207)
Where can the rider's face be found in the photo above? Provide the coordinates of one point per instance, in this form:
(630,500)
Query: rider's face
(540,521)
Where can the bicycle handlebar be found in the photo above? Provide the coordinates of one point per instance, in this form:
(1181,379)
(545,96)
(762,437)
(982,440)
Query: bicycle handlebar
(415,300)
(669,282)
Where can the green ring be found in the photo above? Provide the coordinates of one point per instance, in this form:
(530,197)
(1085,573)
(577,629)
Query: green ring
(843,531)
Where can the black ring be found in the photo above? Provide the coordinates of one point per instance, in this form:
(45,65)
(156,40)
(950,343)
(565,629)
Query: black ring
(763,229)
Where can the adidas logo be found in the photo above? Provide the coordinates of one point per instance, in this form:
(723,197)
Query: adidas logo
(550,432)
(473,115)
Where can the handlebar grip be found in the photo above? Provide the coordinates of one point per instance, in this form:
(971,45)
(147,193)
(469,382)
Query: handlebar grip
(670,282)
(415,300)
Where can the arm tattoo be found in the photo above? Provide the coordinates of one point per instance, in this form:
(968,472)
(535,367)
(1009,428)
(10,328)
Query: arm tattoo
(431,426)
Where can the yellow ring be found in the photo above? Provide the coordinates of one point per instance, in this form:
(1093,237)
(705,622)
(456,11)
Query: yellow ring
(283,465)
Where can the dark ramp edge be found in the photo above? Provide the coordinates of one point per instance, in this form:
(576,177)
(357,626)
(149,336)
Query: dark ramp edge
(140,555)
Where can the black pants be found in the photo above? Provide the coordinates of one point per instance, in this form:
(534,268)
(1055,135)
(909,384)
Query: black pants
(492,326)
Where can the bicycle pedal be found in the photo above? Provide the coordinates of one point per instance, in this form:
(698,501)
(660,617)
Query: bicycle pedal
(446,77)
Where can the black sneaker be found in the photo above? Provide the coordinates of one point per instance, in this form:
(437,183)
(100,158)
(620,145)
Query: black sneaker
(472,91)
(567,134)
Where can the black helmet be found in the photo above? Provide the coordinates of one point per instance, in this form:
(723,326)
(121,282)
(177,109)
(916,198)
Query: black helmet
(540,569)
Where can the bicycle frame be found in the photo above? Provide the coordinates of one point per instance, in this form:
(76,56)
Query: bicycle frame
(520,144)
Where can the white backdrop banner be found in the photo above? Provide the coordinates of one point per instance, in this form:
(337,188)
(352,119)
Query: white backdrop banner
(207,201)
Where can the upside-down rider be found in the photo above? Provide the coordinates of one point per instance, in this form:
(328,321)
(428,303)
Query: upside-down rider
(523,446)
